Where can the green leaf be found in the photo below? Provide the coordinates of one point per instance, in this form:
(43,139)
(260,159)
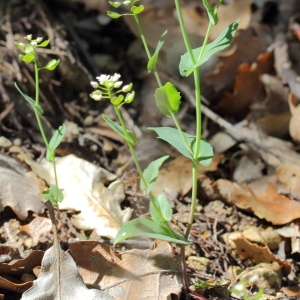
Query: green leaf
(51,65)
(172,136)
(55,141)
(30,101)
(129,138)
(113,15)
(206,153)
(152,61)
(53,194)
(28,48)
(146,227)
(164,208)
(117,100)
(44,44)
(186,66)
(167,99)
(28,57)
(150,174)
(213,17)
(137,9)
(115,4)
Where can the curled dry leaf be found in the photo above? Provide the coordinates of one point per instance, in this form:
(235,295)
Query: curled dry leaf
(266,203)
(295,119)
(17,191)
(153,273)
(84,190)
(25,265)
(59,279)
(37,228)
(14,287)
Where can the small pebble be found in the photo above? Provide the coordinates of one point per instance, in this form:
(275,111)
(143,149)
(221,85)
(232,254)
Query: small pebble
(88,121)
(15,149)
(17,142)
(4,142)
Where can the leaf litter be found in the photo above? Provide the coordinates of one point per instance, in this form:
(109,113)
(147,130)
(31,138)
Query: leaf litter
(247,217)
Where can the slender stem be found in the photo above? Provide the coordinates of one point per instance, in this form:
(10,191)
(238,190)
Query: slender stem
(138,24)
(184,32)
(183,137)
(139,169)
(38,118)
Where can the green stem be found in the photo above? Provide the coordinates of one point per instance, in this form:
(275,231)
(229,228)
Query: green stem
(138,24)
(38,118)
(37,91)
(139,169)
(183,137)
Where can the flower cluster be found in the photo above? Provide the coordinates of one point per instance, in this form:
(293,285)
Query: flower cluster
(105,89)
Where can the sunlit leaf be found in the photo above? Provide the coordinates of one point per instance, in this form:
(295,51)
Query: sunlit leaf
(167,99)
(186,66)
(30,101)
(126,134)
(44,44)
(146,227)
(55,141)
(150,174)
(28,57)
(51,65)
(113,15)
(53,194)
(152,61)
(137,9)
(163,211)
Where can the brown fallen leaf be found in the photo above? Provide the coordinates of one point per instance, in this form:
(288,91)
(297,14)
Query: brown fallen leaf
(6,284)
(59,279)
(290,176)
(265,204)
(247,87)
(245,48)
(295,119)
(25,265)
(254,252)
(177,176)
(16,190)
(132,275)
(291,291)
(38,227)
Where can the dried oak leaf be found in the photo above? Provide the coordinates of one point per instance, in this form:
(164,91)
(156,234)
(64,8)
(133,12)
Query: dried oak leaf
(24,265)
(18,191)
(290,176)
(37,228)
(59,279)
(84,190)
(6,284)
(247,87)
(134,274)
(265,204)
(177,176)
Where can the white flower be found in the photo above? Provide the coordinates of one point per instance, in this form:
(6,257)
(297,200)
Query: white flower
(95,84)
(34,43)
(126,88)
(39,39)
(118,84)
(28,37)
(96,95)
(102,78)
(115,77)
(126,2)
